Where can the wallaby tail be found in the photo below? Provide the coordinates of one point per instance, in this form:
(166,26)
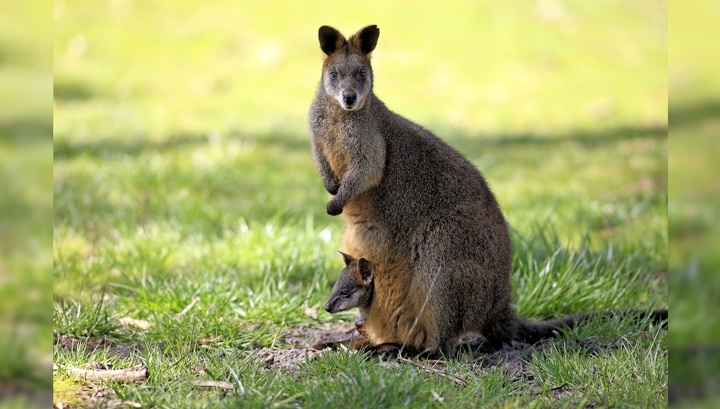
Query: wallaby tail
(533,332)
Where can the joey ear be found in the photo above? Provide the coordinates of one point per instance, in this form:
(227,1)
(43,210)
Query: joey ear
(330,39)
(366,269)
(346,258)
(366,39)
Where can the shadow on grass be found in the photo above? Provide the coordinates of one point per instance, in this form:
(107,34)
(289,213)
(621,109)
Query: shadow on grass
(107,148)
(693,113)
(135,146)
(590,138)
(26,129)
(70,90)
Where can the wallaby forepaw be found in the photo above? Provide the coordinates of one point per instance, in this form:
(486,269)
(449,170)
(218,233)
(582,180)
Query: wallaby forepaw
(334,208)
(333,188)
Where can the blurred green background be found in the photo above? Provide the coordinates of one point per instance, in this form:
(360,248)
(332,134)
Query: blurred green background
(182,156)
(694,205)
(25,204)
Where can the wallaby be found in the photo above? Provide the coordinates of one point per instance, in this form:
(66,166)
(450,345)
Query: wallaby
(353,289)
(414,206)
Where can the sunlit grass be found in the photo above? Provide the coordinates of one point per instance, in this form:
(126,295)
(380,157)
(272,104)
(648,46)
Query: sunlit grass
(183,171)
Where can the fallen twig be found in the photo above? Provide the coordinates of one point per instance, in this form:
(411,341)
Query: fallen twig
(459,380)
(188,307)
(559,387)
(216,384)
(138,373)
(132,322)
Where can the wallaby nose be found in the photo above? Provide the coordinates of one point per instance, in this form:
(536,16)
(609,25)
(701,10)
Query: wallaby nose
(327,306)
(349,97)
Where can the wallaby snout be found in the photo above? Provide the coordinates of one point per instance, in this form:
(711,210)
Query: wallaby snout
(349,97)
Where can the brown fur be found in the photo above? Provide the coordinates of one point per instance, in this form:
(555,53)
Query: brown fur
(413,206)
(355,288)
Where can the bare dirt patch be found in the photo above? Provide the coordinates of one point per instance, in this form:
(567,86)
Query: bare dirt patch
(308,343)
(332,332)
(287,360)
(516,358)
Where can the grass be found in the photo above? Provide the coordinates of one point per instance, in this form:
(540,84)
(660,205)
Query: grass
(25,207)
(694,204)
(183,171)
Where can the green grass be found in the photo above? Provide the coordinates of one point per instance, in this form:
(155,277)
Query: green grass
(183,170)
(25,206)
(694,205)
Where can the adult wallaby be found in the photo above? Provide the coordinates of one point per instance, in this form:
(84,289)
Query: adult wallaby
(414,206)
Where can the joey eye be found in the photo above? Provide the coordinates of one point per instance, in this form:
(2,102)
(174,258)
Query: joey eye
(344,293)
(333,75)
(361,73)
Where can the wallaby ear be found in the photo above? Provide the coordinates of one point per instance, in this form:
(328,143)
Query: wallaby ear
(366,39)
(330,39)
(366,268)
(346,258)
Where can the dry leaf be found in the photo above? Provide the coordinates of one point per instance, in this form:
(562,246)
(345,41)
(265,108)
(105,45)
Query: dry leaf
(210,340)
(311,312)
(188,307)
(217,384)
(132,322)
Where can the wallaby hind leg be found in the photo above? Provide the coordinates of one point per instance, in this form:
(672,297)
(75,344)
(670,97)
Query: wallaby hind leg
(462,263)
(448,348)
(437,272)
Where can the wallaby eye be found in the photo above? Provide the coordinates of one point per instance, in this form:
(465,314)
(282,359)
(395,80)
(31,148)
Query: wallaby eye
(361,73)
(344,293)
(333,75)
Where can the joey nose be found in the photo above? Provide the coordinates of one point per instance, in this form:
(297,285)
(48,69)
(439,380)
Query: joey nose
(349,97)
(327,307)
